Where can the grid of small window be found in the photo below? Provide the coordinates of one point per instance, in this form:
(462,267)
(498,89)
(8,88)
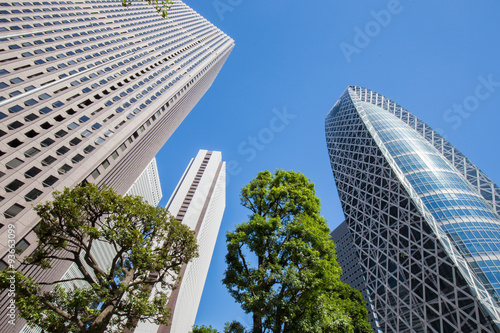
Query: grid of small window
(83,75)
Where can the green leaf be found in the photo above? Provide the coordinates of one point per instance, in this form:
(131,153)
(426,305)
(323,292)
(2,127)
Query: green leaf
(281,264)
(147,239)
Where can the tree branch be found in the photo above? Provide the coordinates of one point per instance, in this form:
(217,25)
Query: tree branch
(62,281)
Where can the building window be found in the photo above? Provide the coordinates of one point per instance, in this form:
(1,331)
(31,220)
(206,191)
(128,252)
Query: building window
(31,152)
(15,143)
(105,164)
(45,110)
(13,210)
(32,195)
(86,133)
(99,140)
(14,185)
(77,158)
(89,149)
(46,125)
(21,246)
(32,172)
(95,173)
(73,125)
(48,160)
(15,125)
(31,134)
(31,117)
(61,133)
(63,150)
(49,181)
(14,163)
(65,168)
(47,142)
(3,265)
(75,141)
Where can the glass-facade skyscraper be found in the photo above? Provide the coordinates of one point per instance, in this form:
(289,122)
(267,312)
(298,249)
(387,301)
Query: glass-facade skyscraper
(423,218)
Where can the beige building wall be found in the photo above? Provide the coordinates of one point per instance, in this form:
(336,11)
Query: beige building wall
(90,91)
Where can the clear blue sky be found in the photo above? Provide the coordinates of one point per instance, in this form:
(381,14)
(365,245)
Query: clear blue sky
(433,58)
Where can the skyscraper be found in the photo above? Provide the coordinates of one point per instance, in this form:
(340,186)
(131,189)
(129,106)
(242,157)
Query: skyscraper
(423,218)
(90,91)
(352,273)
(198,201)
(147,185)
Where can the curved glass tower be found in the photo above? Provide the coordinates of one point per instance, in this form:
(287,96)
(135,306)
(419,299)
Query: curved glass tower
(424,219)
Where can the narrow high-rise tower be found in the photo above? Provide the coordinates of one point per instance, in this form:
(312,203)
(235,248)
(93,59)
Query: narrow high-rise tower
(423,218)
(90,91)
(198,201)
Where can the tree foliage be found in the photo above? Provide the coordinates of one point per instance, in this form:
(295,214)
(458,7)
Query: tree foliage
(149,245)
(204,329)
(161,6)
(234,327)
(282,265)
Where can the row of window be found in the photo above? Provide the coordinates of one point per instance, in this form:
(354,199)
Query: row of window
(49,160)
(53,68)
(106,163)
(73,125)
(45,3)
(14,185)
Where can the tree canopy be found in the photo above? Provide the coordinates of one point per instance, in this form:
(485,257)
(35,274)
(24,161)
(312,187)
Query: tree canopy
(234,327)
(281,264)
(149,247)
(204,329)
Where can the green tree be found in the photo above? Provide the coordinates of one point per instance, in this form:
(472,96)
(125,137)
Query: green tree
(234,327)
(150,247)
(204,329)
(161,6)
(282,265)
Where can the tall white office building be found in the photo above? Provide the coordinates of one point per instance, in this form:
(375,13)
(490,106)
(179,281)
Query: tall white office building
(198,201)
(147,185)
(90,91)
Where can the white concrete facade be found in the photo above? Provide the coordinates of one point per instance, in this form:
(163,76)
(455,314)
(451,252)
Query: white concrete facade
(91,91)
(199,202)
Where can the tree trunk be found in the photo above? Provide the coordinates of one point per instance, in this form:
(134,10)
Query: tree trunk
(101,323)
(105,317)
(257,323)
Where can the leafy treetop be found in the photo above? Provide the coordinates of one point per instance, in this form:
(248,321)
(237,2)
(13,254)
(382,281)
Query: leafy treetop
(149,248)
(282,265)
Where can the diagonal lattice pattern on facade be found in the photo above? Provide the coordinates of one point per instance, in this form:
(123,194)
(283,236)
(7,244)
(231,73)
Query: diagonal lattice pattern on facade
(423,218)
